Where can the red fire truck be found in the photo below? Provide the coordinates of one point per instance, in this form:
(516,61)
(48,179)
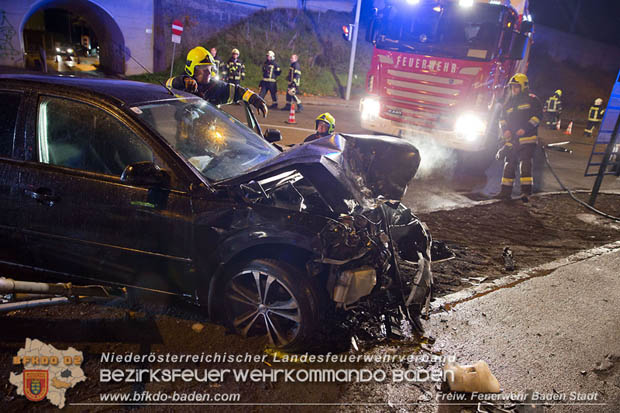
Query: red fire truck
(439,68)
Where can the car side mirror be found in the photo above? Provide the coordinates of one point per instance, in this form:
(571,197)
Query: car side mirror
(273,135)
(518,46)
(526,27)
(372,27)
(145,174)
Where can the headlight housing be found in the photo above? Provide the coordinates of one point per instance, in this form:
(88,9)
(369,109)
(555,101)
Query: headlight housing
(470,126)
(370,108)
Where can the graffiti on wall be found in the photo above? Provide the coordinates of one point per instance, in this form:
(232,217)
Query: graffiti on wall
(7,33)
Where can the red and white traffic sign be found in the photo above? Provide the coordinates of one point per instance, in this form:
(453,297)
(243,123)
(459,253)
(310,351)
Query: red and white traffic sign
(177,30)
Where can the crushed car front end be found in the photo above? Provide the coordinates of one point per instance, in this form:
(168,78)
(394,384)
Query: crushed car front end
(371,252)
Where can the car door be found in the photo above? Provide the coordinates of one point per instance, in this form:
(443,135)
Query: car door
(83,220)
(11,136)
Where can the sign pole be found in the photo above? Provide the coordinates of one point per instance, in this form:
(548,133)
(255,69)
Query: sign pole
(177,30)
(353,48)
(174,45)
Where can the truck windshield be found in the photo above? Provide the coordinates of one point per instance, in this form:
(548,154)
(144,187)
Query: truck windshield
(449,31)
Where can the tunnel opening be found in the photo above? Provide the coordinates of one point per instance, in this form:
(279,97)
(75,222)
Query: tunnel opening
(72,36)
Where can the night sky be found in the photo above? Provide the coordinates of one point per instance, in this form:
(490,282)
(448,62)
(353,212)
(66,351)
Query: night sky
(596,19)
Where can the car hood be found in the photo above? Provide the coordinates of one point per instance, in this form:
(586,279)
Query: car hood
(345,171)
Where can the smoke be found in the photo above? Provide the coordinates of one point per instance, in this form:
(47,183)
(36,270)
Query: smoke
(436,161)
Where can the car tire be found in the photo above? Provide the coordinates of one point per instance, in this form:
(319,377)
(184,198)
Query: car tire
(271,298)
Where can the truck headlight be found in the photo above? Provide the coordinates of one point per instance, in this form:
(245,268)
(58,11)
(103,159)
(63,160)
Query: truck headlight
(370,108)
(470,126)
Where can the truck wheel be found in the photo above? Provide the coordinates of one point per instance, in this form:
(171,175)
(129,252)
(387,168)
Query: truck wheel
(271,298)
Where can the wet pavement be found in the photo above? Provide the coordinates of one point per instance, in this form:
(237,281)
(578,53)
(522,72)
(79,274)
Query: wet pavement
(441,182)
(557,335)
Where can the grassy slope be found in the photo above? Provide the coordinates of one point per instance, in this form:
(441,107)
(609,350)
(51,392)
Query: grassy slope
(324,57)
(316,38)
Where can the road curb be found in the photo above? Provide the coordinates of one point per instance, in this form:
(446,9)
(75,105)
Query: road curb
(447,302)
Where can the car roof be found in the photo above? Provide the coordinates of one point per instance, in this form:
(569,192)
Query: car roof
(126,91)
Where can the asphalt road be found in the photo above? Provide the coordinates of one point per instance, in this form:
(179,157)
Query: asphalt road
(557,335)
(441,181)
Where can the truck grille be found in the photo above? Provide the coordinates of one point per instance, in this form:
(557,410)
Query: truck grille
(420,99)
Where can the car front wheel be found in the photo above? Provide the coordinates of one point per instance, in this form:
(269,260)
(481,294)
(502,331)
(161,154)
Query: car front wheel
(272,298)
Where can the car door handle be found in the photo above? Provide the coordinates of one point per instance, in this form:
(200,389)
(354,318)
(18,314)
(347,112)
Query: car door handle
(43,196)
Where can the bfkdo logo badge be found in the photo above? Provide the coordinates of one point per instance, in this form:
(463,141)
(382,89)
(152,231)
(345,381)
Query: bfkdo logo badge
(36,384)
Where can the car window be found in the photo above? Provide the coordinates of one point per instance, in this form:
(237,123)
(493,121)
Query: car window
(9,104)
(212,141)
(81,136)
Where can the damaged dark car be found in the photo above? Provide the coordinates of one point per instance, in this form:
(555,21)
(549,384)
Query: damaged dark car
(125,184)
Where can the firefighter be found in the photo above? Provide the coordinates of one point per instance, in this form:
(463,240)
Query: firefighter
(553,109)
(519,126)
(235,69)
(199,79)
(218,63)
(595,116)
(271,71)
(294,79)
(325,124)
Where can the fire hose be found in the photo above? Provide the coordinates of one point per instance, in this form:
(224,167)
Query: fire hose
(557,147)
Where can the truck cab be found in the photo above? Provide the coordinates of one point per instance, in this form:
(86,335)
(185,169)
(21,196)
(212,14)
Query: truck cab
(439,68)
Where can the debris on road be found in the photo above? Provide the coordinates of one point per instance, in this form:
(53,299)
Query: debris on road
(197,327)
(471,378)
(509,262)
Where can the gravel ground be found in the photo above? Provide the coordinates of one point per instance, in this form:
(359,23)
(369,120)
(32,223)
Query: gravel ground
(545,229)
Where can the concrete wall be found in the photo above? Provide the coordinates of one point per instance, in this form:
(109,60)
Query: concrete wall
(126,24)
(142,28)
(562,46)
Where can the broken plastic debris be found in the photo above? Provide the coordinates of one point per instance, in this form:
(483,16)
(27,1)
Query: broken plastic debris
(476,377)
(509,262)
(197,327)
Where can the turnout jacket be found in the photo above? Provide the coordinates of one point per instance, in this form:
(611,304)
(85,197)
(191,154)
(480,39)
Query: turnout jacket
(595,114)
(218,64)
(294,74)
(235,69)
(271,71)
(523,111)
(215,92)
(553,104)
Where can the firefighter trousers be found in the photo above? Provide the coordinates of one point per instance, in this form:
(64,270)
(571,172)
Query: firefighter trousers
(552,119)
(522,155)
(590,128)
(270,87)
(293,97)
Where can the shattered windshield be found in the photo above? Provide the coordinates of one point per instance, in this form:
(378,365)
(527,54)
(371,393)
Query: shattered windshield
(451,30)
(215,143)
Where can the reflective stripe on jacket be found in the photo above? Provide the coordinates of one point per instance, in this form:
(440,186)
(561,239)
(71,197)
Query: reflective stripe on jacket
(595,114)
(271,71)
(523,111)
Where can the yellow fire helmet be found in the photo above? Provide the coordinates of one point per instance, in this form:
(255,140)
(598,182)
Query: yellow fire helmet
(521,80)
(327,118)
(199,56)
(235,51)
(558,92)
